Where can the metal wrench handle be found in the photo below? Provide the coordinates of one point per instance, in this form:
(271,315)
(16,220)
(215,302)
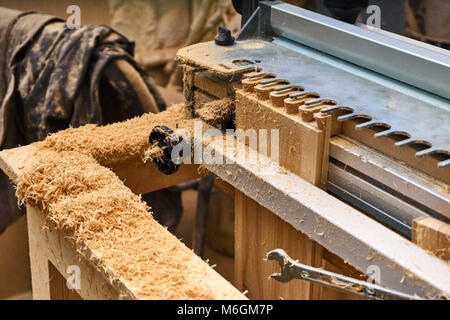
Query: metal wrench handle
(291,269)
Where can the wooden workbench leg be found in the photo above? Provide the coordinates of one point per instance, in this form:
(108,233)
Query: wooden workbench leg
(40,282)
(257,231)
(53,255)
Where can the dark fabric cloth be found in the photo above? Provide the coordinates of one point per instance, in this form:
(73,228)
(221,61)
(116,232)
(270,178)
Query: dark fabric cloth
(346,10)
(52,77)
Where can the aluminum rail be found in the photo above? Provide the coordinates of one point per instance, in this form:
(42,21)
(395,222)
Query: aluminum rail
(421,65)
(428,193)
(343,230)
(384,189)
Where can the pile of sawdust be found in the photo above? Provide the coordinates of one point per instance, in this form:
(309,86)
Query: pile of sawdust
(154,152)
(215,112)
(79,195)
(119,141)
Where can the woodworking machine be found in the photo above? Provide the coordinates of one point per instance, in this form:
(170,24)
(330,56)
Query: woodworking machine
(378,104)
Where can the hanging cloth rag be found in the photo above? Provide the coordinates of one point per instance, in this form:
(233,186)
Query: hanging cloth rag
(53,77)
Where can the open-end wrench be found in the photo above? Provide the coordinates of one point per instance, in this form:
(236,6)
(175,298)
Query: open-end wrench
(291,269)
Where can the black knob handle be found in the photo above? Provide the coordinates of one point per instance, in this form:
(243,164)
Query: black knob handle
(224,37)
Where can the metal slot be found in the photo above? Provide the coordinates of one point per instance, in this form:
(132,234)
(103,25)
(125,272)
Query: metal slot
(406,184)
(374,201)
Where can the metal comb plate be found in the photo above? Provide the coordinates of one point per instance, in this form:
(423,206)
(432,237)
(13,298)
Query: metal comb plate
(421,119)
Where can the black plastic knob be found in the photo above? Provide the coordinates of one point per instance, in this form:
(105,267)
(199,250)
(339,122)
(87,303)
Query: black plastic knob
(166,139)
(224,37)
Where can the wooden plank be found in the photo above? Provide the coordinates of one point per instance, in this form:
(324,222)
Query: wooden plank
(40,278)
(58,286)
(257,232)
(145,177)
(138,176)
(432,235)
(48,244)
(300,143)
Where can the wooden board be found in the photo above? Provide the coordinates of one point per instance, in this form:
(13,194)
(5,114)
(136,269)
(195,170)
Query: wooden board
(138,176)
(49,244)
(300,143)
(145,177)
(257,232)
(432,235)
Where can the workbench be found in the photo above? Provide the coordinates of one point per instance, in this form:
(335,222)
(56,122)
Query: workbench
(262,224)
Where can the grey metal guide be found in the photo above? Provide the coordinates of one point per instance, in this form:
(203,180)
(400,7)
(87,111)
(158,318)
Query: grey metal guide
(374,201)
(420,117)
(428,194)
(421,65)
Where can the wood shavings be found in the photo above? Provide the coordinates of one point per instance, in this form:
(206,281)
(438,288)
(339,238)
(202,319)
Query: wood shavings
(76,193)
(154,152)
(119,141)
(215,112)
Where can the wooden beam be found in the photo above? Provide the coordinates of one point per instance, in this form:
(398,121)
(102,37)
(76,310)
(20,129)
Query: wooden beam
(52,247)
(145,177)
(138,176)
(257,231)
(432,235)
(50,244)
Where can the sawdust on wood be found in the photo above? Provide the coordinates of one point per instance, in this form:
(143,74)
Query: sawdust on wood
(119,141)
(79,195)
(154,152)
(215,112)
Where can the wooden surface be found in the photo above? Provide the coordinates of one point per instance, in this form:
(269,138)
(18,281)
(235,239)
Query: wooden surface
(49,245)
(145,177)
(259,231)
(52,245)
(300,143)
(138,176)
(432,235)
